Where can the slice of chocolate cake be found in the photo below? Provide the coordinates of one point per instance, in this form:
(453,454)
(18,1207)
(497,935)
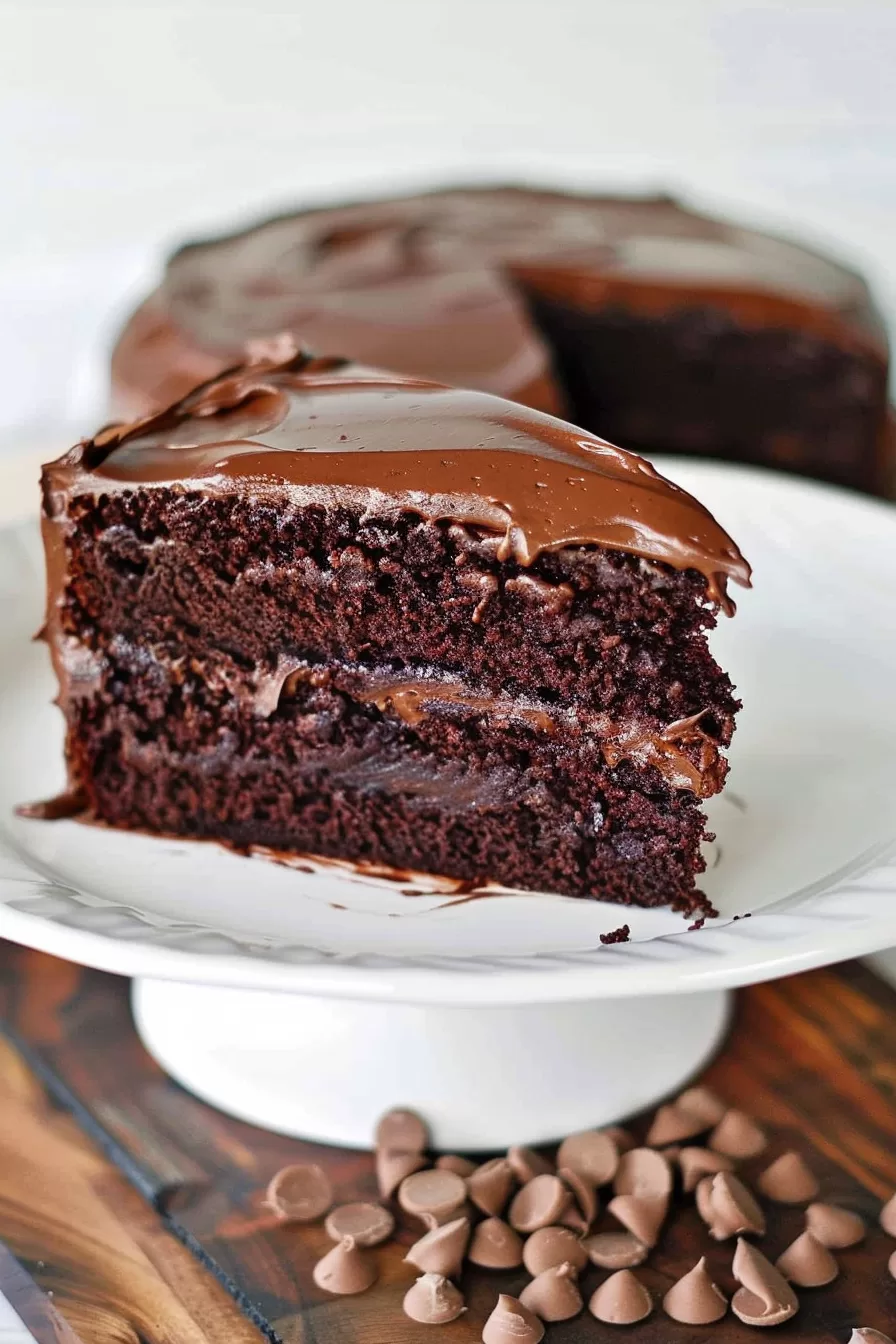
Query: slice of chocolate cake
(326,609)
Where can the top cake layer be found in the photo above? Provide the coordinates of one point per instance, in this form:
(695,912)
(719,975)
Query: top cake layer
(437,285)
(337,433)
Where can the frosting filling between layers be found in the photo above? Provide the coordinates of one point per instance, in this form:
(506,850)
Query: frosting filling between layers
(413,699)
(683,754)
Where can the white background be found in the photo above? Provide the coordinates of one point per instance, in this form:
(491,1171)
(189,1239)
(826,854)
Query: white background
(125,126)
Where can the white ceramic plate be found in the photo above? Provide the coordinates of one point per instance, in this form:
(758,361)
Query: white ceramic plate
(806,832)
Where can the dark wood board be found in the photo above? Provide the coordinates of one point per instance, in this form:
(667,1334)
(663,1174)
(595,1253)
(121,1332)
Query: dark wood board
(36,1309)
(813,1057)
(84,1258)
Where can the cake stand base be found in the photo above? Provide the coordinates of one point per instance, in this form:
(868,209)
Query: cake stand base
(484,1077)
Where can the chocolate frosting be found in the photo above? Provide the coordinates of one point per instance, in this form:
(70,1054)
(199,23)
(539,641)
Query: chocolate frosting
(436,285)
(332,434)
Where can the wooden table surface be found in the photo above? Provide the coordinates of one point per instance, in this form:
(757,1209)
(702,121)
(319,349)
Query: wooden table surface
(131,1212)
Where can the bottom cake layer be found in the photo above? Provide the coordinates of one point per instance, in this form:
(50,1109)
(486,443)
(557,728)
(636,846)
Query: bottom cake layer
(454,790)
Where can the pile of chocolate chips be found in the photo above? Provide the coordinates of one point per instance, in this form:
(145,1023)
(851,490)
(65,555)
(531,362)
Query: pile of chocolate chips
(522,1209)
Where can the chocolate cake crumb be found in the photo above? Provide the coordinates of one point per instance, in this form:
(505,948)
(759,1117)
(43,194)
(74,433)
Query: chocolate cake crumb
(620,935)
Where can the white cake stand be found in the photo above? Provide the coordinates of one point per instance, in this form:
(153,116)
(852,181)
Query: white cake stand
(311,1003)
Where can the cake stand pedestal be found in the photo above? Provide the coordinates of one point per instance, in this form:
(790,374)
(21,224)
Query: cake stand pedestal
(486,1077)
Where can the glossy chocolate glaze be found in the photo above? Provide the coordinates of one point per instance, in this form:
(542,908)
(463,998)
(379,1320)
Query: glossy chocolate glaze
(436,285)
(333,433)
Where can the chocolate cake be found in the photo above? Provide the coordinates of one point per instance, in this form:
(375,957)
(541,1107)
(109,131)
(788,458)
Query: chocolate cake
(642,321)
(318,607)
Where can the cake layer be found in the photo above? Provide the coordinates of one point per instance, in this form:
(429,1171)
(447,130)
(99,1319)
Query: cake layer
(596,629)
(501,792)
(646,321)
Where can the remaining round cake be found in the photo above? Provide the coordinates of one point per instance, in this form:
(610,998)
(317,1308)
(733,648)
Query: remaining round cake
(318,607)
(643,321)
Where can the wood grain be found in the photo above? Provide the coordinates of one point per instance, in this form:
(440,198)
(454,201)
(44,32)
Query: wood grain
(814,1058)
(36,1308)
(108,1267)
